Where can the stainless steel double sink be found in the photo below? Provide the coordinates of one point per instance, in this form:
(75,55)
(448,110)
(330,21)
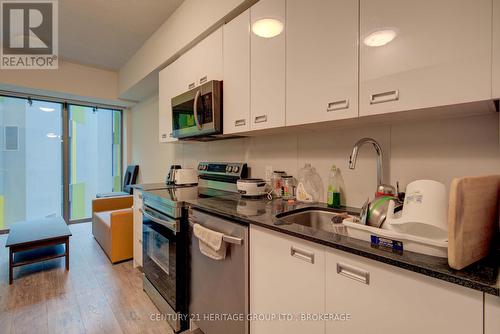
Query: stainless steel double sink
(314,217)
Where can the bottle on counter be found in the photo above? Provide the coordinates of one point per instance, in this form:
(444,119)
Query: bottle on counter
(277,183)
(288,187)
(333,192)
(310,187)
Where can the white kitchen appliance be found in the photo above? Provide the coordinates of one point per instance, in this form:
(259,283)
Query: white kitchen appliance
(251,187)
(185,176)
(424,211)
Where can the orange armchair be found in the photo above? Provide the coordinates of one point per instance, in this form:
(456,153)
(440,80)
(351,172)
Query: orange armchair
(112,226)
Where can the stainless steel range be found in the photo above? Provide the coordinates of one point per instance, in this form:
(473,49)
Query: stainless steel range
(165,257)
(166,239)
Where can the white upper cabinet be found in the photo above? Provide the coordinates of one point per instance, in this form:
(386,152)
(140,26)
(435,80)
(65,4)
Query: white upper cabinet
(440,55)
(237,74)
(287,276)
(386,299)
(200,64)
(321,60)
(207,58)
(496,49)
(267,68)
(168,87)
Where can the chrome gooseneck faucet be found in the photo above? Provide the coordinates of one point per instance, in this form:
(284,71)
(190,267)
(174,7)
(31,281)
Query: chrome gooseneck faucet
(378,149)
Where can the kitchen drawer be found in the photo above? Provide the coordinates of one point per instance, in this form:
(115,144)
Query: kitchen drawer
(387,299)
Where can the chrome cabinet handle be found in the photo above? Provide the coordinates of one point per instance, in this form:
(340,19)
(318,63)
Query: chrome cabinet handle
(338,105)
(354,273)
(389,96)
(195,109)
(240,122)
(191,85)
(163,136)
(260,119)
(203,79)
(171,225)
(302,254)
(171,135)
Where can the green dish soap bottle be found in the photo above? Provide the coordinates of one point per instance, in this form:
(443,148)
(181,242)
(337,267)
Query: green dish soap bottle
(333,192)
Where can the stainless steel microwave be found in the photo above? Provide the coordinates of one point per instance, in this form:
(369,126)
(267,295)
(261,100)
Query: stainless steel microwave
(198,112)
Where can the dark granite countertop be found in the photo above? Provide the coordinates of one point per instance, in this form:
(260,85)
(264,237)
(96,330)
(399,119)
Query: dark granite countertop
(482,275)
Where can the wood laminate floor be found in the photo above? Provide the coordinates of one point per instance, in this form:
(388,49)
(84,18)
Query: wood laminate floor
(93,297)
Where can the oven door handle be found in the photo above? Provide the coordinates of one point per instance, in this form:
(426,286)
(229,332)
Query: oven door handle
(195,110)
(171,225)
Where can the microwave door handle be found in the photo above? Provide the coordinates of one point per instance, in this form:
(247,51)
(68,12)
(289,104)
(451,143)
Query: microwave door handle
(195,110)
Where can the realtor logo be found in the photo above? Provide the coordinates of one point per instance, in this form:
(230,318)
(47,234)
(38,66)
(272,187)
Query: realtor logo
(29,34)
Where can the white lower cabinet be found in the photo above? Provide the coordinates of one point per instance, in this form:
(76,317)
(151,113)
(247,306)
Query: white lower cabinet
(384,299)
(491,314)
(287,276)
(323,290)
(137,234)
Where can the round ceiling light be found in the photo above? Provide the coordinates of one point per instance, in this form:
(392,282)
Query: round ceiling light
(380,37)
(52,135)
(267,28)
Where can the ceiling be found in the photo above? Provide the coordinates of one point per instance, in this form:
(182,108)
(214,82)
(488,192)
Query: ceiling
(106,33)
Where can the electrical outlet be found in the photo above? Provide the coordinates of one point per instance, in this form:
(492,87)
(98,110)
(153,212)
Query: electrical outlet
(269,173)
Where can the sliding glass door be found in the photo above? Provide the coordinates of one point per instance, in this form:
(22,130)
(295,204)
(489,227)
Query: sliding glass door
(95,157)
(44,175)
(30,160)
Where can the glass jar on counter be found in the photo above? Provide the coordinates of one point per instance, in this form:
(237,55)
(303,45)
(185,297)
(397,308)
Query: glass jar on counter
(277,183)
(288,187)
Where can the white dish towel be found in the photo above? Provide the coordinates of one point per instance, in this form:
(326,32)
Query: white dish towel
(211,242)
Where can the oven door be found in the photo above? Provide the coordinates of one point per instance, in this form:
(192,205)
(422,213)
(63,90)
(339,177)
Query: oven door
(160,243)
(198,111)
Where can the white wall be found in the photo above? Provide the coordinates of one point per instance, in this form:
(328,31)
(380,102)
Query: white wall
(152,157)
(187,23)
(70,80)
(437,149)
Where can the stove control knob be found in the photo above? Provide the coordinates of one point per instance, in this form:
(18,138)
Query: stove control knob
(236,169)
(229,169)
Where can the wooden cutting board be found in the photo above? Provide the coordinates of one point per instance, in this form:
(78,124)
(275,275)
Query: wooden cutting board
(473,218)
